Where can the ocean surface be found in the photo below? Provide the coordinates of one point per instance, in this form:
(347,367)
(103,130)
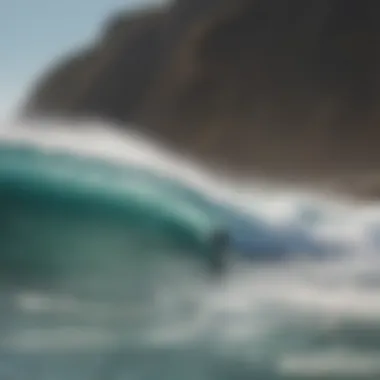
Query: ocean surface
(80,301)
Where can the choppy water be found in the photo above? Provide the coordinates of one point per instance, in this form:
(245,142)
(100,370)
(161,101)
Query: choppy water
(125,316)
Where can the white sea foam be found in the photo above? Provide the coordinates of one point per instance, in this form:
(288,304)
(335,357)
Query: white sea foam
(257,310)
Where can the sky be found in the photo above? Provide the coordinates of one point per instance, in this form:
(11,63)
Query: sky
(33,33)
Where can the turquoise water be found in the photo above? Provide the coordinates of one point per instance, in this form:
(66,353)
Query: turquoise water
(103,275)
(60,203)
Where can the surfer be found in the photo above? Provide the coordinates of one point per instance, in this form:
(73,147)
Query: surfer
(218,252)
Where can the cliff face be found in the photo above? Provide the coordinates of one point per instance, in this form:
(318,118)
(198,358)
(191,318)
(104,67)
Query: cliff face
(108,79)
(288,87)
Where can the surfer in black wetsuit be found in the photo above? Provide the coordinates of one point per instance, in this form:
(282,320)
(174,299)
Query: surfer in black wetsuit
(218,252)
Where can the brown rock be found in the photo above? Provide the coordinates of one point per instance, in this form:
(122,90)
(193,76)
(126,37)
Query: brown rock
(284,87)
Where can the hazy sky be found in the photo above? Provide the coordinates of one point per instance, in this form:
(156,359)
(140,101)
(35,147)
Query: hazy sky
(33,32)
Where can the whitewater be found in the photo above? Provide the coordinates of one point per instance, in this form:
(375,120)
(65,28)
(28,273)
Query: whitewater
(295,319)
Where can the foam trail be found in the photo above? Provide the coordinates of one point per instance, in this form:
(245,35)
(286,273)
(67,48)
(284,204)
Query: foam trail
(263,320)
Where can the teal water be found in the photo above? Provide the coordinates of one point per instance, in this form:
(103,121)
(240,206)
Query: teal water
(74,204)
(116,242)
(103,277)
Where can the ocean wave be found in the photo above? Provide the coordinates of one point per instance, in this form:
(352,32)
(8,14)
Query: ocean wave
(156,315)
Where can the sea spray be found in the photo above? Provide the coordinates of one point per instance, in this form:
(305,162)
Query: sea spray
(159,319)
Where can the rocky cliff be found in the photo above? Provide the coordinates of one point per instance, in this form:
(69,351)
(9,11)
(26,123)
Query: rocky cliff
(286,87)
